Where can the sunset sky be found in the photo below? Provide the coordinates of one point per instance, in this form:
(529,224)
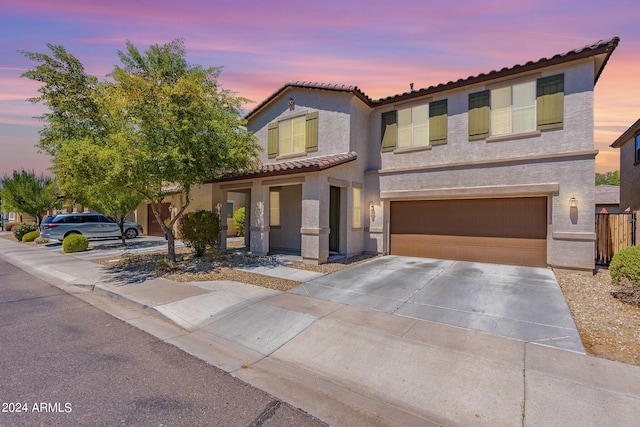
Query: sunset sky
(379,46)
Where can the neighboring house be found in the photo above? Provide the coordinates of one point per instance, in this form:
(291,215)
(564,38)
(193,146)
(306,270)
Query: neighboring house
(496,167)
(607,198)
(629,145)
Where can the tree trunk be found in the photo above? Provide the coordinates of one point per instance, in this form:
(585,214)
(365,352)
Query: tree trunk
(120,222)
(171,247)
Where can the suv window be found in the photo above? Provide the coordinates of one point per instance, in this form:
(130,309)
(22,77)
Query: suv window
(67,219)
(91,218)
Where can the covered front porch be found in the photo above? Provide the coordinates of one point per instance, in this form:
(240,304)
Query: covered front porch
(298,211)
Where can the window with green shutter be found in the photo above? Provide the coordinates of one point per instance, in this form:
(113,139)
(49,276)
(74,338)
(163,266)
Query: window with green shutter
(479,115)
(550,102)
(416,126)
(296,135)
(438,122)
(517,108)
(389,130)
(272,148)
(311,137)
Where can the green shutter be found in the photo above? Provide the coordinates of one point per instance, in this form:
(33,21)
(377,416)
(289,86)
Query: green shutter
(550,103)
(272,146)
(311,132)
(438,122)
(478,115)
(389,130)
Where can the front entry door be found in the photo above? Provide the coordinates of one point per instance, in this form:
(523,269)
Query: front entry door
(334,219)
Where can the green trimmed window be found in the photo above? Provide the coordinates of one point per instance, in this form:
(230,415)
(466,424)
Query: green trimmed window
(416,126)
(295,135)
(518,108)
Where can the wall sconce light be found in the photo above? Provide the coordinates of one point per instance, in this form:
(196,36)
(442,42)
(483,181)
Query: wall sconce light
(292,103)
(372,211)
(573,202)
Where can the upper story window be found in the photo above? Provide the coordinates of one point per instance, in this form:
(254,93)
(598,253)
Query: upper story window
(420,125)
(295,135)
(638,149)
(513,109)
(519,108)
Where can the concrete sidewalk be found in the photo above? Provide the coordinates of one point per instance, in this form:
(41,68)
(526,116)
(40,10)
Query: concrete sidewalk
(353,366)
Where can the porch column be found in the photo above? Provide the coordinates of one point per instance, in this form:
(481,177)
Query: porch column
(259,219)
(219,205)
(315,220)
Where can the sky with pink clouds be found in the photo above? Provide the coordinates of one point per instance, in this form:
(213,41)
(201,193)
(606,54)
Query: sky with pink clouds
(379,46)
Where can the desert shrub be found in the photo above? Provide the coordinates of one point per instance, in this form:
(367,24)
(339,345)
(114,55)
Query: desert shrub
(626,264)
(625,274)
(8,226)
(200,230)
(19,230)
(31,236)
(41,240)
(75,243)
(238,221)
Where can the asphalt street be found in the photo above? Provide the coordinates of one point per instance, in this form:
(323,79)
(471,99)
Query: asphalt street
(66,363)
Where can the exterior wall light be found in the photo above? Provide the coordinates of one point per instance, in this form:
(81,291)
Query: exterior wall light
(573,202)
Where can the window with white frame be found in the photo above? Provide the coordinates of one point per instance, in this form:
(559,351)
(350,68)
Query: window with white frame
(413,126)
(513,109)
(291,135)
(357,208)
(274,207)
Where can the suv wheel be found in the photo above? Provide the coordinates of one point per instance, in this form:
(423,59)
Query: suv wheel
(130,233)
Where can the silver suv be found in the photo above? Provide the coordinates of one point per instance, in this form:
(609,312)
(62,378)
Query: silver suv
(88,224)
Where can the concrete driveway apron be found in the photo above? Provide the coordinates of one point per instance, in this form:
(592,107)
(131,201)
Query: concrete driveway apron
(524,303)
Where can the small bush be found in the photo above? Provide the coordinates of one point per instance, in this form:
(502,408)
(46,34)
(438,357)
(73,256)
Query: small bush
(200,230)
(19,230)
(31,236)
(626,264)
(238,222)
(8,226)
(41,240)
(75,243)
(625,275)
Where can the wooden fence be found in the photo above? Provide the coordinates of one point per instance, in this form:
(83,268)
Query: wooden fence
(614,231)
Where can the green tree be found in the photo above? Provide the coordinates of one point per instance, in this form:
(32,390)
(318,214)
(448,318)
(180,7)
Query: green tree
(608,178)
(28,193)
(160,122)
(85,175)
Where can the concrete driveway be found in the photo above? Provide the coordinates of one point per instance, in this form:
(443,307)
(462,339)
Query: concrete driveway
(525,303)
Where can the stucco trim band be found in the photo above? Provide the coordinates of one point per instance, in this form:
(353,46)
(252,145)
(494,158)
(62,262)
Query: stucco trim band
(314,231)
(474,192)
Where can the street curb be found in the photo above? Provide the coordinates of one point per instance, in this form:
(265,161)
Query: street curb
(150,310)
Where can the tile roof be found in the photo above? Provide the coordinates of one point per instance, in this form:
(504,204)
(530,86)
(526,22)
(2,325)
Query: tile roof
(607,195)
(602,47)
(310,85)
(311,164)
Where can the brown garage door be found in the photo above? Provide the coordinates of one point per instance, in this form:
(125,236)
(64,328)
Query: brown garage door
(504,231)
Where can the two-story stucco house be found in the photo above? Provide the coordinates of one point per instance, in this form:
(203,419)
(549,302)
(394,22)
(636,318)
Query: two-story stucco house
(496,168)
(629,145)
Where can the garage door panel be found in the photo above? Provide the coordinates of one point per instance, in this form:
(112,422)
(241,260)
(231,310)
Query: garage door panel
(531,252)
(505,231)
(515,218)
